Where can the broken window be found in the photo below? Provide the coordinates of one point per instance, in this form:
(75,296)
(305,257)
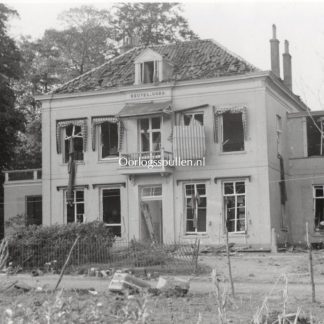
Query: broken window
(34,210)
(150,132)
(109,140)
(111,211)
(318,195)
(196,208)
(234,202)
(149,72)
(73,133)
(188,118)
(315,130)
(233,132)
(75,211)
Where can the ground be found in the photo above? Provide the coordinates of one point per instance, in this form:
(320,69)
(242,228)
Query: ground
(283,278)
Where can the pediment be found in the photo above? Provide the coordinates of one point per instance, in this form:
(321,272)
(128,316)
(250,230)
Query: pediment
(148,55)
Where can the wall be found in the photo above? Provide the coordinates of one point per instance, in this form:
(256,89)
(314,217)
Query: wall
(15,197)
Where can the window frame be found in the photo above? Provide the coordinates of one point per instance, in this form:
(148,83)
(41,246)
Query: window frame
(193,114)
(195,184)
(150,130)
(155,77)
(66,158)
(222,134)
(315,186)
(233,181)
(100,144)
(102,209)
(26,207)
(75,203)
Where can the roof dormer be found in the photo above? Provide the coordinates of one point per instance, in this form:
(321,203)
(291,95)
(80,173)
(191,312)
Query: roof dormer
(150,67)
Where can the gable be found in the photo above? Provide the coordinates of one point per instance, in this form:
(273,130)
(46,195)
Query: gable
(148,55)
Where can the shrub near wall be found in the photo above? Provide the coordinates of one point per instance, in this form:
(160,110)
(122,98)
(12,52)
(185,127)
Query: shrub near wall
(34,246)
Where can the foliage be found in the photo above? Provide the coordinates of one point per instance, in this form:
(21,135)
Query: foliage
(11,119)
(86,40)
(152,22)
(33,245)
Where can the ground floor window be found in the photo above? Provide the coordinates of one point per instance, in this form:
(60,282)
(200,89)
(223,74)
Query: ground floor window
(111,211)
(318,195)
(75,210)
(34,210)
(196,208)
(235,208)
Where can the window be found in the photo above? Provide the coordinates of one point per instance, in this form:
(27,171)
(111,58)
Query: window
(34,210)
(73,134)
(196,208)
(111,212)
(149,72)
(188,118)
(234,201)
(318,195)
(315,141)
(233,132)
(150,132)
(75,211)
(109,140)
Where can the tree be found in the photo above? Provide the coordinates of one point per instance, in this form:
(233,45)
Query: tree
(151,22)
(86,41)
(11,119)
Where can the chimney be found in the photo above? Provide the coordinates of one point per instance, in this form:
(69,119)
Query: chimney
(286,59)
(274,44)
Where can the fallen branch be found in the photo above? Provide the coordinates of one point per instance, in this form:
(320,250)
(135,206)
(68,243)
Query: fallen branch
(66,262)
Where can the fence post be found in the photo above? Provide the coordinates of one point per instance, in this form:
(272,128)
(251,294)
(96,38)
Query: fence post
(197,255)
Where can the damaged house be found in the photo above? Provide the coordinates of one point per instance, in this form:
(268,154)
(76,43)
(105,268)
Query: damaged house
(114,140)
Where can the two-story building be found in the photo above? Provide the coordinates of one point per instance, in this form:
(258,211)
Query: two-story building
(167,142)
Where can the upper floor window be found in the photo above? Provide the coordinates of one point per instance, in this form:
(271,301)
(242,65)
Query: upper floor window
(232,132)
(315,135)
(149,72)
(190,117)
(150,134)
(73,134)
(108,140)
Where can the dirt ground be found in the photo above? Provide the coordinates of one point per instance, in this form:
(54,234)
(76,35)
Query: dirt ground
(256,276)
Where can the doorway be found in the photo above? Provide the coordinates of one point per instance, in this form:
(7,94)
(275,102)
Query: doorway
(151,225)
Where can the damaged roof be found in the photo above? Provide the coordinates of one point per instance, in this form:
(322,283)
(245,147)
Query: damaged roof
(191,60)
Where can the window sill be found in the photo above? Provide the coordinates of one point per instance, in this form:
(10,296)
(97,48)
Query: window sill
(189,235)
(237,233)
(109,160)
(233,152)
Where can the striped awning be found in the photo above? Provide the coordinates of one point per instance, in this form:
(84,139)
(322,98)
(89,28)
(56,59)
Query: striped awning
(233,110)
(145,109)
(189,141)
(65,123)
(97,121)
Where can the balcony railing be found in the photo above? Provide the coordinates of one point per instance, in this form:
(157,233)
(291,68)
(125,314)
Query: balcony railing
(23,175)
(143,162)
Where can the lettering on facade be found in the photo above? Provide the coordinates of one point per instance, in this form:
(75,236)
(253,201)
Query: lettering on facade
(147,94)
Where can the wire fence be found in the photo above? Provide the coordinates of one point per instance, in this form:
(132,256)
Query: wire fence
(119,254)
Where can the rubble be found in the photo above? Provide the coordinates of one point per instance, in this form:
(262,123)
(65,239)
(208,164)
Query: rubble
(122,281)
(173,286)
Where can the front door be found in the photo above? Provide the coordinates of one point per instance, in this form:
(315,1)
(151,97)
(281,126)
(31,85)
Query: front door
(151,214)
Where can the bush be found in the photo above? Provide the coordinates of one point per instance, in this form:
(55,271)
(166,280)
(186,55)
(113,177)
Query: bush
(34,246)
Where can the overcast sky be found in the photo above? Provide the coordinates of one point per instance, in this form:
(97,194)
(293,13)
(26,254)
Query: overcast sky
(241,26)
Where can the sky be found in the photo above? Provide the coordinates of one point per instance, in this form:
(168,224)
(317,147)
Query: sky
(244,27)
